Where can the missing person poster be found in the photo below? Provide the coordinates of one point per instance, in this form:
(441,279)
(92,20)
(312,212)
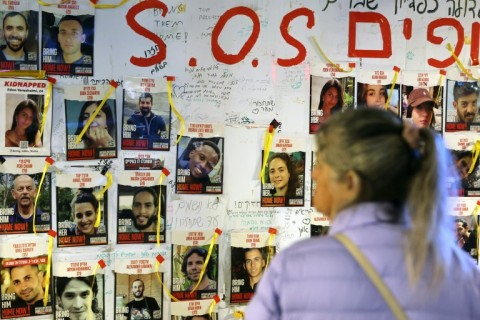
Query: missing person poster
(90,138)
(141,207)
(146,114)
(193,310)
(251,254)
(138,289)
(189,255)
(374,87)
(26,120)
(200,159)
(422,99)
(134,160)
(78,281)
(284,174)
(80,201)
(462,106)
(20,207)
(24,277)
(332,89)
(68,38)
(466,225)
(319,224)
(18,44)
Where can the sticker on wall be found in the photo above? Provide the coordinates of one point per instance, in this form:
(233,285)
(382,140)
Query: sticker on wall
(319,224)
(24,269)
(283,179)
(76,281)
(23,199)
(200,159)
(26,122)
(20,34)
(90,138)
(461,106)
(250,253)
(81,204)
(134,160)
(146,114)
(141,207)
(68,38)
(190,268)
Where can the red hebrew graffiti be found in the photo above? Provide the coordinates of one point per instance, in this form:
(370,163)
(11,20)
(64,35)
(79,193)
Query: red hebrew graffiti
(407,28)
(475,43)
(162,47)
(218,52)
(431,37)
(302,52)
(369,17)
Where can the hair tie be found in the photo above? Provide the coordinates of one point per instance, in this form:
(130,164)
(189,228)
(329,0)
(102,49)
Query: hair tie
(411,135)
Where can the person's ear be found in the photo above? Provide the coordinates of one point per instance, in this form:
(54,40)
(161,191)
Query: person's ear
(84,37)
(353,184)
(455,105)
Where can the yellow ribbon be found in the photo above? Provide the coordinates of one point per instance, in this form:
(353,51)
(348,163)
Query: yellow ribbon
(94,114)
(179,116)
(109,177)
(48,100)
(215,300)
(107,6)
(475,215)
(440,86)
(157,272)
(475,153)
(322,53)
(48,162)
(270,242)
(159,217)
(46,4)
(267,144)
(205,264)
(392,87)
(51,234)
(459,63)
(36,74)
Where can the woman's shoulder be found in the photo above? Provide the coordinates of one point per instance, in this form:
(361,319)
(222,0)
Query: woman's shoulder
(10,139)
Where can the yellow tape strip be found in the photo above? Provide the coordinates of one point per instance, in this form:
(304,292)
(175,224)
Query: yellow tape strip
(37,74)
(179,116)
(205,264)
(45,168)
(48,100)
(210,309)
(94,114)
(475,153)
(108,6)
(157,264)
(392,87)
(322,53)
(51,235)
(459,63)
(267,144)
(109,177)
(46,4)
(159,217)
(270,242)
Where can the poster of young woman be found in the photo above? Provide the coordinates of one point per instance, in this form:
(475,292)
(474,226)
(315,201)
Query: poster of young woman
(98,140)
(140,196)
(200,159)
(24,269)
(250,254)
(146,114)
(193,310)
(332,89)
(68,38)
(284,175)
(374,87)
(75,281)
(26,120)
(19,45)
(189,254)
(79,202)
(19,187)
(138,289)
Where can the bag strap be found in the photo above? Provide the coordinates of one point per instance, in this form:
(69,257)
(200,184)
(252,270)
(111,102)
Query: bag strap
(372,274)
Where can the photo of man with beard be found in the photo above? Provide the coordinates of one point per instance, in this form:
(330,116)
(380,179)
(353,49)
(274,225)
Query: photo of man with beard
(144,211)
(15,34)
(142,307)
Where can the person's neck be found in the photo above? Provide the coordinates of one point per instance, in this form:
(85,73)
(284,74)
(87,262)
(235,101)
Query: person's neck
(20,132)
(281,192)
(14,55)
(71,58)
(204,283)
(139,299)
(39,297)
(150,228)
(253,280)
(25,212)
